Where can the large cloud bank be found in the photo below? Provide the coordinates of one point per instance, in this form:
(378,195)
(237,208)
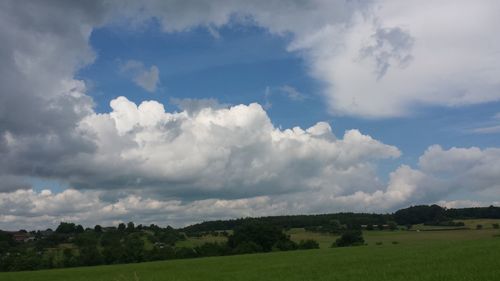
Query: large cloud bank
(140,162)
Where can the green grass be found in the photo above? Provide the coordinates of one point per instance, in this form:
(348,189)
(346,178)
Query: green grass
(198,241)
(486,223)
(455,260)
(443,255)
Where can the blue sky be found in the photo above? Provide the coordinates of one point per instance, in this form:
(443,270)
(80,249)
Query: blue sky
(238,67)
(114,111)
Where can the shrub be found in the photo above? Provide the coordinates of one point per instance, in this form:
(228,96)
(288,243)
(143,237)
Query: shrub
(261,234)
(378,243)
(495,226)
(286,245)
(247,248)
(479,226)
(308,244)
(350,238)
(395,242)
(392,225)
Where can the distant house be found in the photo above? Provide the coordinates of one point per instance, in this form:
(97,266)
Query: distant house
(20,236)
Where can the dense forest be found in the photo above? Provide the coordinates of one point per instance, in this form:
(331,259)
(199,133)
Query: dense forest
(72,245)
(432,215)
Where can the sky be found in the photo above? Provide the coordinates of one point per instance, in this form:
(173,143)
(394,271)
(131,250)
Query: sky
(176,112)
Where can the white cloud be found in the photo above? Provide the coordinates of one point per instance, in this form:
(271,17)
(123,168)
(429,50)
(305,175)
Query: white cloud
(487,130)
(138,162)
(148,79)
(466,170)
(228,152)
(286,90)
(376,58)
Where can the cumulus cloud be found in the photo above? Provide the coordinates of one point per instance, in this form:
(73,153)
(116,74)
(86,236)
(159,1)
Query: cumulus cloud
(206,161)
(143,77)
(425,184)
(222,152)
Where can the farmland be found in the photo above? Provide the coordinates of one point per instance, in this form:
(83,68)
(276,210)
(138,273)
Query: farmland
(389,255)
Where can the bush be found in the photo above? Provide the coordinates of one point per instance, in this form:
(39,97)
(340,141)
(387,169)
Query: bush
(247,248)
(479,226)
(392,225)
(308,244)
(350,238)
(286,245)
(378,243)
(395,242)
(264,235)
(495,226)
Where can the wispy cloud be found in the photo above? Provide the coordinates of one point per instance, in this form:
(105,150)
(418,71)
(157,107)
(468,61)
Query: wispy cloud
(286,90)
(490,127)
(148,79)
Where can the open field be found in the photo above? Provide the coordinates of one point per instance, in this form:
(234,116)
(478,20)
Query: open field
(435,255)
(198,241)
(385,236)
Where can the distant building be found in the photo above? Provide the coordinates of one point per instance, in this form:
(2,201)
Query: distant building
(20,236)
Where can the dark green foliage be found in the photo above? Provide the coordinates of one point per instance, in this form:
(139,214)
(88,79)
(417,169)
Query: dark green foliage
(392,225)
(495,226)
(490,212)
(160,253)
(322,223)
(308,244)
(262,234)
(66,228)
(130,227)
(286,245)
(121,227)
(90,255)
(248,247)
(6,241)
(212,249)
(98,229)
(350,238)
(184,253)
(420,214)
(134,248)
(479,226)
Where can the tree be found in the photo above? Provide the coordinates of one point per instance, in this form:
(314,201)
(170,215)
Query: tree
(261,234)
(134,248)
(392,225)
(66,228)
(121,227)
(130,227)
(308,244)
(90,255)
(350,238)
(79,229)
(98,228)
(420,214)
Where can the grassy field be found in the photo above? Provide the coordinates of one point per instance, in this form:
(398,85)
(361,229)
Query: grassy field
(426,255)
(474,259)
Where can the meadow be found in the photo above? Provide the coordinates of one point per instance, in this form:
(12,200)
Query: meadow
(389,255)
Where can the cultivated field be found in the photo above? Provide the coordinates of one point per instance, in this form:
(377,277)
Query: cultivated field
(401,255)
